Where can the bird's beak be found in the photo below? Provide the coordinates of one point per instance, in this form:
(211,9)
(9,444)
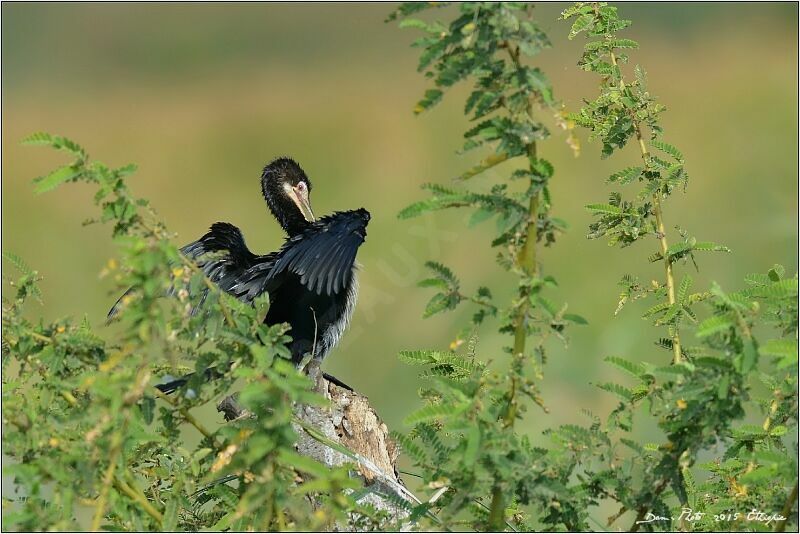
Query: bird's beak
(300,198)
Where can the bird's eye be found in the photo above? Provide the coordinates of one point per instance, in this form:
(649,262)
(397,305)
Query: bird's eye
(301,186)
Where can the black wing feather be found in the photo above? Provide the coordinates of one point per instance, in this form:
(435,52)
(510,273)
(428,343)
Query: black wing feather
(222,255)
(322,256)
(231,255)
(336,276)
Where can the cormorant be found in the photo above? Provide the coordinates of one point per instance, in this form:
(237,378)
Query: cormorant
(311,279)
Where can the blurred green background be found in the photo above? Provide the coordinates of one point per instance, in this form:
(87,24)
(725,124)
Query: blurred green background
(201,96)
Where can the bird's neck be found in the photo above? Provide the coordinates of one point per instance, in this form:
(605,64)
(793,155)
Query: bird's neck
(293,224)
(287,215)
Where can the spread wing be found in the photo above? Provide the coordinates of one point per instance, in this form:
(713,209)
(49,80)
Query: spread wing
(222,255)
(322,256)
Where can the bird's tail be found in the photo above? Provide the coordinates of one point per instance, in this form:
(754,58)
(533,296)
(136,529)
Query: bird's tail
(117,306)
(174,385)
(212,372)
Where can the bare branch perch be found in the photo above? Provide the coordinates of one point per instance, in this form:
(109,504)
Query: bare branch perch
(346,432)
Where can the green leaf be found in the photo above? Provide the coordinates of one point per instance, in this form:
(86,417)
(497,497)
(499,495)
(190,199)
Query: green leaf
(582,23)
(472,445)
(443,272)
(575,318)
(626,176)
(433,282)
(431,98)
(658,308)
(668,149)
(17,262)
(414,451)
(147,406)
(57,142)
(56,178)
(489,162)
(618,390)
(749,356)
(199,454)
(479,216)
(537,80)
(672,315)
(780,347)
(757,279)
(437,304)
(303,463)
(170,520)
(126,170)
(634,369)
(786,349)
(776,290)
(418,357)
(413,23)
(678,249)
(683,289)
(778,431)
(776,273)
(713,325)
(432,413)
(708,246)
(624,43)
(748,432)
(605,208)
(634,446)
(38,138)
(724,387)
(416,209)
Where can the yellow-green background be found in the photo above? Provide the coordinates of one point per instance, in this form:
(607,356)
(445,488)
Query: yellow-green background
(201,96)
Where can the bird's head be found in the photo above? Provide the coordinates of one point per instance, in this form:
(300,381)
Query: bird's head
(287,190)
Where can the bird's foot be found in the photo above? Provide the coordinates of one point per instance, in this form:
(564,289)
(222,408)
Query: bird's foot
(316,375)
(311,366)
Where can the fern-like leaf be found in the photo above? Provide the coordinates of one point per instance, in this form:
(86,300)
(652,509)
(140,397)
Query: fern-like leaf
(632,368)
(17,262)
(713,325)
(414,451)
(417,357)
(683,289)
(668,149)
(620,391)
(626,176)
(607,209)
(433,412)
(56,178)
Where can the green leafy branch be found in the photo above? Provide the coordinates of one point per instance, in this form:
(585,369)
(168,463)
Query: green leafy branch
(624,110)
(486,44)
(84,419)
(697,398)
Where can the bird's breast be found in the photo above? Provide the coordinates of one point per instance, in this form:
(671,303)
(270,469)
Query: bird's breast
(344,307)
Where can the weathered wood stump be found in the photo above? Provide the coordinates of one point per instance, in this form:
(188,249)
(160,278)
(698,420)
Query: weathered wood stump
(349,422)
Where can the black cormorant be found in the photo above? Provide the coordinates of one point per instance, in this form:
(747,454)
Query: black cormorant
(311,279)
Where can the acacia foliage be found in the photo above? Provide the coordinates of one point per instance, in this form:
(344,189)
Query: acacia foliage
(734,353)
(90,437)
(478,466)
(706,392)
(486,46)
